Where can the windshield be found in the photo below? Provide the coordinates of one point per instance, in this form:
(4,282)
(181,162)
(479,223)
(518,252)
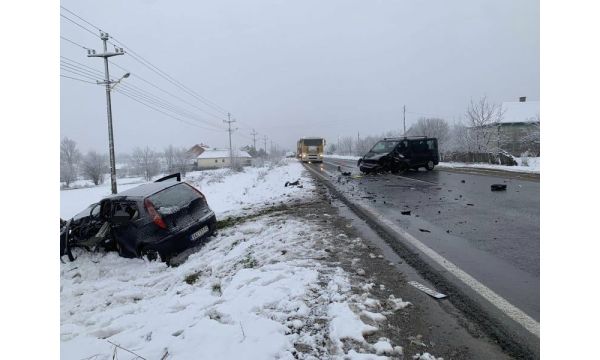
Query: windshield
(312,142)
(384,147)
(172,199)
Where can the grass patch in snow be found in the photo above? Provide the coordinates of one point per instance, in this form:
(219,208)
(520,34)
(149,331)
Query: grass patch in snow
(235,220)
(192,278)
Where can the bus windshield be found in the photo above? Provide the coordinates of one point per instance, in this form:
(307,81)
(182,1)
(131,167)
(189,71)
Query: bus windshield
(384,147)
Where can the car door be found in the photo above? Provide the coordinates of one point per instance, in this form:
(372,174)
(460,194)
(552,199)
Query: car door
(125,221)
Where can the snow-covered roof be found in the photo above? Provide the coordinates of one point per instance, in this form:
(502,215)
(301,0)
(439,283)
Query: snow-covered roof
(222,153)
(515,112)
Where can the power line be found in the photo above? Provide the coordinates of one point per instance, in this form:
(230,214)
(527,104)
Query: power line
(85,81)
(80,18)
(150,66)
(169,93)
(74,43)
(78,24)
(126,88)
(77,73)
(162,112)
(132,89)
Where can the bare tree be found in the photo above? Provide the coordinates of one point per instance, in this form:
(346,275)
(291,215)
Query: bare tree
(481,117)
(432,127)
(182,160)
(346,144)
(169,157)
(95,166)
(69,160)
(146,162)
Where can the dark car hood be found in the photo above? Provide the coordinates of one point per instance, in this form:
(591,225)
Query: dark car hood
(373,156)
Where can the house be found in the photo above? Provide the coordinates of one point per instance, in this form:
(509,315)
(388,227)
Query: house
(197,149)
(218,158)
(519,129)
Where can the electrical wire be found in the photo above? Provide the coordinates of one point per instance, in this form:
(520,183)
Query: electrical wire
(78,24)
(167,92)
(150,66)
(85,81)
(74,43)
(164,113)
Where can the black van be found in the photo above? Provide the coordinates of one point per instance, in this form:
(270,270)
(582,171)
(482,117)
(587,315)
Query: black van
(400,154)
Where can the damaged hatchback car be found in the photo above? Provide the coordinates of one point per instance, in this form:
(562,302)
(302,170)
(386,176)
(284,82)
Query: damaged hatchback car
(400,154)
(156,219)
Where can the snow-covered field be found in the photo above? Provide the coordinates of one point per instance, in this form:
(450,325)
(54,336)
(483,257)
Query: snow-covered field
(526,164)
(258,290)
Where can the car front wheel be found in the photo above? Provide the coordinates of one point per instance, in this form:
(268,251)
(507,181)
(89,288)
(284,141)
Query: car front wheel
(429,166)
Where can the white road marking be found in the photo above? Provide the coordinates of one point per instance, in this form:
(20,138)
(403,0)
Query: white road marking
(498,301)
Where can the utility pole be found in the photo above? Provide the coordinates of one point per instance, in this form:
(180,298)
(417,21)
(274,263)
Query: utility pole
(265,139)
(404,118)
(229,130)
(254,133)
(107,83)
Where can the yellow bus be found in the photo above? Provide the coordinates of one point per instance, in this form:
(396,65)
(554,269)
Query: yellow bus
(311,149)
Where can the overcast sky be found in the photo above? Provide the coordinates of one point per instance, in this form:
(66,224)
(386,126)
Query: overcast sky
(293,68)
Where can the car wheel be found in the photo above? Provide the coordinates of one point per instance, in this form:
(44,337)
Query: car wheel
(429,166)
(150,253)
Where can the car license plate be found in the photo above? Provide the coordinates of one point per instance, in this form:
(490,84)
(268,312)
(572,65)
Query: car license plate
(199,233)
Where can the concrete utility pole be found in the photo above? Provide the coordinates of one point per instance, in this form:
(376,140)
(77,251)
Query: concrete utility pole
(254,133)
(265,139)
(404,118)
(107,83)
(229,130)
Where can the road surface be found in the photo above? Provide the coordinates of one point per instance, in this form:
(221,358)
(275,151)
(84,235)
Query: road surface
(491,236)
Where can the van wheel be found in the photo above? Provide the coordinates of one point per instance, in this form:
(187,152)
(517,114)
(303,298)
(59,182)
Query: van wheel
(429,166)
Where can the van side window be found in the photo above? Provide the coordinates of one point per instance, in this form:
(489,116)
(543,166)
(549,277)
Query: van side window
(431,144)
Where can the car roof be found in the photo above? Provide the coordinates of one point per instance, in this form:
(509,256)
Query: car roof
(145,189)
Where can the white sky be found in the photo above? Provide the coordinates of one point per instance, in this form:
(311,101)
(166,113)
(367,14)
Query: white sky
(299,68)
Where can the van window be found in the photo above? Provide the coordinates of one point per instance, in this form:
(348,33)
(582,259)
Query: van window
(431,144)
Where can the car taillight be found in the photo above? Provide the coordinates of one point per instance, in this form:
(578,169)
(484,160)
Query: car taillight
(158,220)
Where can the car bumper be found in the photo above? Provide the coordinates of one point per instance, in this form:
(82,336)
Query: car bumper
(179,241)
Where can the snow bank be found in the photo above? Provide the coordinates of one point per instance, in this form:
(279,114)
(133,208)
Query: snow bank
(532,167)
(258,290)
(344,157)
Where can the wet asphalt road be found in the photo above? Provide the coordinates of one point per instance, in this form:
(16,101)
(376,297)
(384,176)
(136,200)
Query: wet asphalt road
(493,236)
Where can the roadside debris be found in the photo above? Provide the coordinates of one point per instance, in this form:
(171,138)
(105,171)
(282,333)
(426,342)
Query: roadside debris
(462,181)
(346,173)
(498,187)
(405,212)
(294,183)
(424,230)
(427,290)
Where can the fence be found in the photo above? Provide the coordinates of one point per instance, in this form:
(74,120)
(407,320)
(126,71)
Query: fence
(471,157)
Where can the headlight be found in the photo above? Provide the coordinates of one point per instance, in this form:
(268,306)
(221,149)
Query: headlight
(321,155)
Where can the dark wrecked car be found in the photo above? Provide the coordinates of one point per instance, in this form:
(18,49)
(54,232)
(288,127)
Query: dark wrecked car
(400,154)
(161,218)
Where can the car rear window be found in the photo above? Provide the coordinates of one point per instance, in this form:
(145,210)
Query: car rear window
(171,199)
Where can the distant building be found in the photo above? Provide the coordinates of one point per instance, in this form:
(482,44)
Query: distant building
(198,149)
(519,130)
(218,158)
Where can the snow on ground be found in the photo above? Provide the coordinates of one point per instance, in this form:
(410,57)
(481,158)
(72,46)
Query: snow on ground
(233,193)
(258,290)
(533,165)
